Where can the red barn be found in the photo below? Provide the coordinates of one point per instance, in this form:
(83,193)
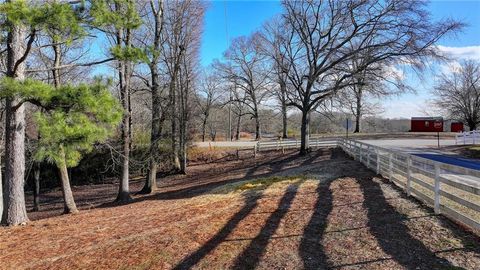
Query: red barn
(427,124)
(456,127)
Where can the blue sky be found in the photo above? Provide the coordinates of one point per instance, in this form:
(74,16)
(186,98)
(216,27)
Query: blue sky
(245,17)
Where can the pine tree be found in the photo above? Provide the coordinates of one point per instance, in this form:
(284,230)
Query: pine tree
(73,119)
(122,16)
(22,22)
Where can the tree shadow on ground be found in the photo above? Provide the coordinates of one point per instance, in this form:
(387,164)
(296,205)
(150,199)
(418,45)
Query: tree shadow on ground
(251,202)
(204,188)
(251,255)
(469,239)
(311,248)
(388,227)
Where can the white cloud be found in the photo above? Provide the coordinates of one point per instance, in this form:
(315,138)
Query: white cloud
(450,67)
(461,53)
(403,108)
(393,72)
(457,54)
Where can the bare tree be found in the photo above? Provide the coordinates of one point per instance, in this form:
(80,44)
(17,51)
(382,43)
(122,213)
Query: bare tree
(183,28)
(375,81)
(321,37)
(208,94)
(271,37)
(247,69)
(458,93)
(153,35)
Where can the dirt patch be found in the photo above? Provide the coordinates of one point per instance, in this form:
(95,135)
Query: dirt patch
(323,210)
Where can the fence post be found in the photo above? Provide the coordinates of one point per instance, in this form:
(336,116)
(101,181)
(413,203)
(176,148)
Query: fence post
(464,136)
(378,161)
(409,174)
(368,156)
(296,143)
(360,152)
(390,166)
(437,189)
(255,150)
(474,135)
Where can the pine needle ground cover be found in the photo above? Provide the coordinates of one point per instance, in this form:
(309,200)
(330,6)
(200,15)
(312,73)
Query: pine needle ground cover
(274,212)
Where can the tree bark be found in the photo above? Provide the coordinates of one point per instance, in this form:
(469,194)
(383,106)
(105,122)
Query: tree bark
(305,133)
(472,125)
(36,187)
(204,127)
(68,202)
(1,192)
(239,121)
(157,111)
(124,80)
(173,102)
(284,121)
(155,136)
(258,135)
(358,109)
(15,211)
(66,189)
(283,101)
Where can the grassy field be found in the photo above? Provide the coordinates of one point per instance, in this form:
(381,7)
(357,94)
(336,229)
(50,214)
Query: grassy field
(323,211)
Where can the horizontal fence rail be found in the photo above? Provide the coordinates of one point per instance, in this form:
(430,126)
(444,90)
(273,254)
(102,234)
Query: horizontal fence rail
(294,144)
(471,137)
(452,191)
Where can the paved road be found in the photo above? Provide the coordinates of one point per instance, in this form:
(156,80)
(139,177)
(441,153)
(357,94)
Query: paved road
(410,144)
(427,148)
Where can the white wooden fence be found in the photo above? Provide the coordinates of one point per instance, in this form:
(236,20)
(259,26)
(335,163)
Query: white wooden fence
(294,144)
(452,191)
(470,137)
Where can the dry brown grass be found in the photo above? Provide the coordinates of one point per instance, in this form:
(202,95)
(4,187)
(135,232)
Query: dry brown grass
(278,212)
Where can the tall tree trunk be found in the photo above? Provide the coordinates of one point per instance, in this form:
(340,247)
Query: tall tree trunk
(15,211)
(239,122)
(258,135)
(36,187)
(157,112)
(155,135)
(184,116)
(305,133)
(124,78)
(284,121)
(68,202)
(174,118)
(283,101)
(358,110)
(1,191)
(204,127)
(472,125)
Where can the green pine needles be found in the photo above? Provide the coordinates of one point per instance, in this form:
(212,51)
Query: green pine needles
(60,20)
(72,120)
